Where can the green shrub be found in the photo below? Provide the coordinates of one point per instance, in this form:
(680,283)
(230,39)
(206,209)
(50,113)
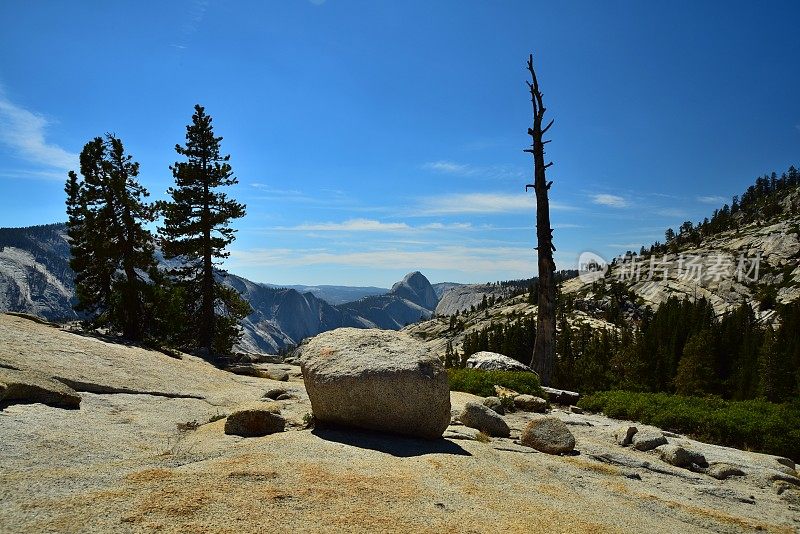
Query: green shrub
(482,383)
(755,425)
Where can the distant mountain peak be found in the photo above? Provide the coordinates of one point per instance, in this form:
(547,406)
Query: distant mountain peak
(416,288)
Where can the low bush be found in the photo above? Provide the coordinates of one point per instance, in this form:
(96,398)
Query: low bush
(479,382)
(755,425)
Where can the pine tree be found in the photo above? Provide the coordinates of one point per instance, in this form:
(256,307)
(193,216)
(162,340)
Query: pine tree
(775,373)
(695,374)
(111,249)
(197,230)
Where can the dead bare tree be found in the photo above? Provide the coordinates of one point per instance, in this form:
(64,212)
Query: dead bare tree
(544,346)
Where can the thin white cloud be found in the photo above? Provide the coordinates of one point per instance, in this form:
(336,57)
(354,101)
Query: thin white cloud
(448,167)
(23,131)
(612,201)
(353,225)
(371,225)
(481,203)
(672,212)
(711,199)
(458,258)
(446,226)
(33,174)
(193,18)
(493,172)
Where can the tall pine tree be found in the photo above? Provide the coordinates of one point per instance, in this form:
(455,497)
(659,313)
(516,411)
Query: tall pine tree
(111,249)
(197,230)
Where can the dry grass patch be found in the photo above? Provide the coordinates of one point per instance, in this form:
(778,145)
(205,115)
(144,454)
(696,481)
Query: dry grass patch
(597,467)
(149,475)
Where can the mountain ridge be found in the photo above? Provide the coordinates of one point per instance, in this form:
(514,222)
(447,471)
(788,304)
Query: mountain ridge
(35,278)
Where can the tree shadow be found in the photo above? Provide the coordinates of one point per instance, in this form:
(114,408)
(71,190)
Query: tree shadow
(394,444)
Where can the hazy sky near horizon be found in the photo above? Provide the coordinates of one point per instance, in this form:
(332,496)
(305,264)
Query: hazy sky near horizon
(372,138)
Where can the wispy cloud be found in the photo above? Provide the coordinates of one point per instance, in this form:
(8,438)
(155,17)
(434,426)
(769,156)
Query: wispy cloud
(372,225)
(459,258)
(711,199)
(323,197)
(481,203)
(448,167)
(33,174)
(672,212)
(612,201)
(352,225)
(193,18)
(493,172)
(23,131)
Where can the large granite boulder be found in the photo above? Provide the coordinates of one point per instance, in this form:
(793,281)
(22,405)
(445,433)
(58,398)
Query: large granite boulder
(24,387)
(493,361)
(378,380)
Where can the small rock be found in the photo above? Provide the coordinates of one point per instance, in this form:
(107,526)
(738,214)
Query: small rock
(548,434)
(722,470)
(495,404)
(624,434)
(279,375)
(788,462)
(485,419)
(781,486)
(575,409)
(247,370)
(530,403)
(462,432)
(274,393)
(254,422)
(646,440)
(775,476)
(681,457)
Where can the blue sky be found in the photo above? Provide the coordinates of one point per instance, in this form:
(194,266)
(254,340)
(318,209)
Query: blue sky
(373,138)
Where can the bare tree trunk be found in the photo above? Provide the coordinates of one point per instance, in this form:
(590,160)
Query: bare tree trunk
(544,346)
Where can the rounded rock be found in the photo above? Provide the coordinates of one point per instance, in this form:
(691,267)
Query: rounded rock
(252,423)
(485,419)
(530,403)
(647,440)
(548,434)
